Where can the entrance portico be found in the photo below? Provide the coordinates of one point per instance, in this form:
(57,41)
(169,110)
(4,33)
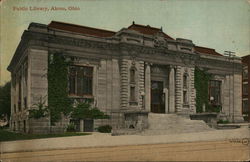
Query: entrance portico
(162,88)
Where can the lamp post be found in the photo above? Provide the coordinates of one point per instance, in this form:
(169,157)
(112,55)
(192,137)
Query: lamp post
(231,56)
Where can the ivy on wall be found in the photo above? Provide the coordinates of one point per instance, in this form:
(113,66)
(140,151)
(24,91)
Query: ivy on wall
(201,80)
(58,100)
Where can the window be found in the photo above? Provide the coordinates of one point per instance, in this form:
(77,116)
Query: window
(26,74)
(245,89)
(245,108)
(215,92)
(133,87)
(132,75)
(245,72)
(25,102)
(14,108)
(132,94)
(185,80)
(19,93)
(80,80)
(185,87)
(185,100)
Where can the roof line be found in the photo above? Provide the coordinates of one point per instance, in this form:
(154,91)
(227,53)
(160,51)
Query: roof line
(145,26)
(81,26)
(205,47)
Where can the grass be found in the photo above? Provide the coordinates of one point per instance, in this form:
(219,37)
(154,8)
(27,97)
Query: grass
(12,136)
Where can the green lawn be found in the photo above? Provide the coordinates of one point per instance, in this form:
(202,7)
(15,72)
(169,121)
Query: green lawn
(11,136)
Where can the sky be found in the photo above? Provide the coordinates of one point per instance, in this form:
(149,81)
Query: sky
(220,24)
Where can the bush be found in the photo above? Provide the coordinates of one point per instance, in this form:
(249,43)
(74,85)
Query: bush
(104,129)
(223,121)
(86,111)
(71,127)
(39,111)
(213,108)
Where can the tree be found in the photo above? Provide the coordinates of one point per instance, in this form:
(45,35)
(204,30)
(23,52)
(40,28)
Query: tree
(5,104)
(85,111)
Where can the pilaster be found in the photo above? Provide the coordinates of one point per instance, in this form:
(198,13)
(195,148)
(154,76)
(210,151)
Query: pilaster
(172,90)
(147,87)
(141,84)
(178,89)
(192,91)
(124,84)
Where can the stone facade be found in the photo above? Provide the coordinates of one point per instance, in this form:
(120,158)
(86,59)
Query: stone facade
(136,70)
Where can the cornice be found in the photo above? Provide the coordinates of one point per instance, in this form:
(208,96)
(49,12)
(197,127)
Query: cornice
(122,48)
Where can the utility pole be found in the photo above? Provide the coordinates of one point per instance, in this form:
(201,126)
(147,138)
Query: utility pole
(231,56)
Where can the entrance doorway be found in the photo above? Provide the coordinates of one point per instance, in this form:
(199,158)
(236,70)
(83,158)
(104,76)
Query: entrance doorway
(157,97)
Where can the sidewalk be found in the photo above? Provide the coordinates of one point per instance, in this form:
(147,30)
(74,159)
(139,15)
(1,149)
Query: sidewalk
(102,139)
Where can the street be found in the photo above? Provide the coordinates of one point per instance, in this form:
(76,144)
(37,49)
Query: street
(188,151)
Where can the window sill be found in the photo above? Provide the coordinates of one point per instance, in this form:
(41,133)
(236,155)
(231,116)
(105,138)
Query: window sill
(133,103)
(185,105)
(83,96)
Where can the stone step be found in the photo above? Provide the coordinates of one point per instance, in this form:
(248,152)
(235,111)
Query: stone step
(173,123)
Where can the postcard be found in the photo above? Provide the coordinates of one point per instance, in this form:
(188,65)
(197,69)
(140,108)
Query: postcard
(113,80)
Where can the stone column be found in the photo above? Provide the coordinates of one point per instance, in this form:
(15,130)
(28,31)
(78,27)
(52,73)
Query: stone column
(165,91)
(81,125)
(237,99)
(147,88)
(171,90)
(192,91)
(124,84)
(178,89)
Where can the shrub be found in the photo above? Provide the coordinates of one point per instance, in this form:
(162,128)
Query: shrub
(40,110)
(104,129)
(223,121)
(71,127)
(86,111)
(213,108)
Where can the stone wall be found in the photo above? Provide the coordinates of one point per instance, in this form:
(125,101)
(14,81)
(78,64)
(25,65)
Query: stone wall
(101,122)
(38,76)
(39,126)
(60,126)
(181,107)
(108,85)
(136,120)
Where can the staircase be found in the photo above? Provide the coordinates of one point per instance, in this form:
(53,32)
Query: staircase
(172,124)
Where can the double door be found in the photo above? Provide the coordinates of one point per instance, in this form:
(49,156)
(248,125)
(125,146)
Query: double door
(157,97)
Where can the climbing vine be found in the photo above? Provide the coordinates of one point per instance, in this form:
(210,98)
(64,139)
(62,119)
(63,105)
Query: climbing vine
(201,81)
(58,100)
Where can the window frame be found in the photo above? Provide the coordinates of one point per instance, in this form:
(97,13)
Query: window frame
(80,75)
(217,85)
